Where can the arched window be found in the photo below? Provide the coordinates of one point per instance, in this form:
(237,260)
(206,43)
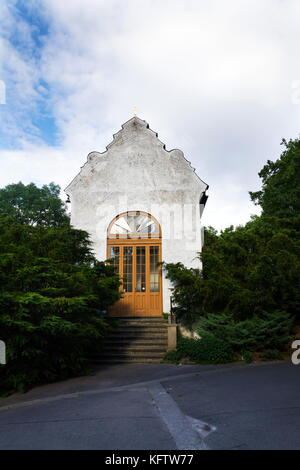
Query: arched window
(134,224)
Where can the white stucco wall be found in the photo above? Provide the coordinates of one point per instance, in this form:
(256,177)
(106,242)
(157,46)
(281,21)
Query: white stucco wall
(136,172)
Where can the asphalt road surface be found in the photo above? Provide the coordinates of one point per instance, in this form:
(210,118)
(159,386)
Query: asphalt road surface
(160,407)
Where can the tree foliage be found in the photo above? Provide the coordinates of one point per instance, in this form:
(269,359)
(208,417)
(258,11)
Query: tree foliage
(269,330)
(280,193)
(203,351)
(253,270)
(31,205)
(52,293)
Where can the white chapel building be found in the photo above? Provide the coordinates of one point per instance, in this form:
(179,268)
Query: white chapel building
(141,204)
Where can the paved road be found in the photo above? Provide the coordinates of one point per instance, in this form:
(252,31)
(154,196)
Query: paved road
(159,406)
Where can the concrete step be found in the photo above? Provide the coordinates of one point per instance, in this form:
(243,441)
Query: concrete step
(125,354)
(142,319)
(135,341)
(132,349)
(152,338)
(140,323)
(134,328)
(130,360)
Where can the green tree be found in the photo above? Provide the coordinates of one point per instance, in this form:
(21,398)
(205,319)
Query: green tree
(280,193)
(34,206)
(53,293)
(253,270)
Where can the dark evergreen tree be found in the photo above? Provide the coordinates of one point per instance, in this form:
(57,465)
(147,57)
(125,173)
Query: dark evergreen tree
(252,271)
(52,293)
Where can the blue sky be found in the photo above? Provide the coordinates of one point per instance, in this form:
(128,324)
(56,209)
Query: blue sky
(219,80)
(34,120)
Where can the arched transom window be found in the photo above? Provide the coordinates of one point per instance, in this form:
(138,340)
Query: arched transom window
(134,224)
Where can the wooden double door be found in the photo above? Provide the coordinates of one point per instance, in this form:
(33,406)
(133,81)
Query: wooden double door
(137,263)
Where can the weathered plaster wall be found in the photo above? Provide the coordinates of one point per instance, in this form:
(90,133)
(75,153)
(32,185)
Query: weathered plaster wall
(137,173)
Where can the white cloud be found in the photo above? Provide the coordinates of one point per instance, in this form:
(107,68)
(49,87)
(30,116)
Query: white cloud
(213,78)
(20,75)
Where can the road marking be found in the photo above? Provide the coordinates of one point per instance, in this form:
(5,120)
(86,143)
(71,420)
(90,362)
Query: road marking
(204,429)
(180,426)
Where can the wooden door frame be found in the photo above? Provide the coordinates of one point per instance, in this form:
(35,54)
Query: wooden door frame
(123,242)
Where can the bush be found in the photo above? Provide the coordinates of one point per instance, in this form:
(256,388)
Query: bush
(47,339)
(271,355)
(186,292)
(269,331)
(247,357)
(173,356)
(203,351)
(52,293)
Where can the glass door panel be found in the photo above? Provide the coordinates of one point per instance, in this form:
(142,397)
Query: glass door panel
(127,268)
(140,269)
(154,269)
(115,257)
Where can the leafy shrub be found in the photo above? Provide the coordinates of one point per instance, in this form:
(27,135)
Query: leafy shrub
(270,330)
(247,356)
(271,355)
(204,351)
(173,356)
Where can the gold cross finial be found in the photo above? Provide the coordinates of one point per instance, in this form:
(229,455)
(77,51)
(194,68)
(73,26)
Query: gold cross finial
(135,110)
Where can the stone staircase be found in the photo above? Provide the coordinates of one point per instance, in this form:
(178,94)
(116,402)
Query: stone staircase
(135,340)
